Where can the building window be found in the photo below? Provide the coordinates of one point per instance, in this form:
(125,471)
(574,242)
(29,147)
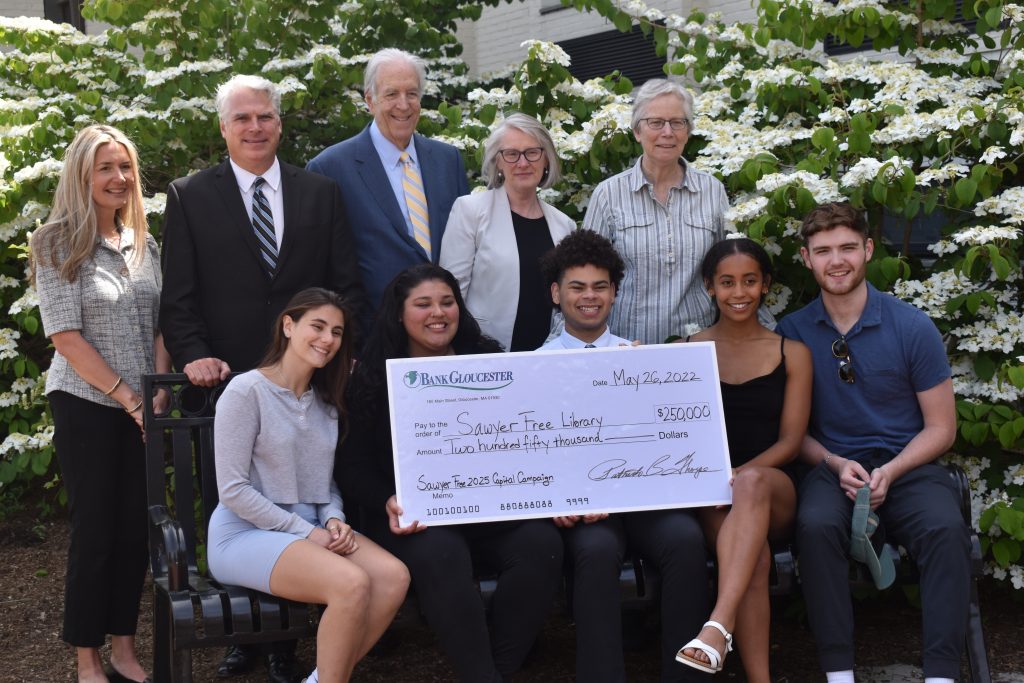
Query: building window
(64,12)
(632,54)
(834,46)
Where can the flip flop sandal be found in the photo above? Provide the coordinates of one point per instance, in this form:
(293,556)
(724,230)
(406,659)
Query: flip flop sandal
(716,659)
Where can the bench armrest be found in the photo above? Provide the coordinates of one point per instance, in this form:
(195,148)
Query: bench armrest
(167,548)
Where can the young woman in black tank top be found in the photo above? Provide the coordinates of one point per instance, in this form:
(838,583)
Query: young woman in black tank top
(766,394)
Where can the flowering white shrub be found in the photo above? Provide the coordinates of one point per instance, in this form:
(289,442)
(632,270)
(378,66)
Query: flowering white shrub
(927,123)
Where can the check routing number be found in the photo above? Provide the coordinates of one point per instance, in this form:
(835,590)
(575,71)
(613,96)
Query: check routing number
(548,433)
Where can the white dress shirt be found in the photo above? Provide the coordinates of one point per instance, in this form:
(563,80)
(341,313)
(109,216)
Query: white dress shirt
(271,190)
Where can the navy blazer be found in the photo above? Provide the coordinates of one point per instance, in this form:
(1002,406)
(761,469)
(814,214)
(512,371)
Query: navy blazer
(218,299)
(383,243)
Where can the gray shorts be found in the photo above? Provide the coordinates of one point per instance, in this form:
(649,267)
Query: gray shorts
(244,555)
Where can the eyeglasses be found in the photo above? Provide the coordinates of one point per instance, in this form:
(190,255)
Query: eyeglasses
(675,124)
(512,155)
(841,350)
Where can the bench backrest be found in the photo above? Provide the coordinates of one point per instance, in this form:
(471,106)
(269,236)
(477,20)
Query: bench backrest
(186,429)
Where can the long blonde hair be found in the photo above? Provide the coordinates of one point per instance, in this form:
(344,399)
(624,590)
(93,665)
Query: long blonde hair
(70,229)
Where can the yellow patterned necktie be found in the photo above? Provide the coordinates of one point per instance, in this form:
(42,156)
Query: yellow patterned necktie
(416,201)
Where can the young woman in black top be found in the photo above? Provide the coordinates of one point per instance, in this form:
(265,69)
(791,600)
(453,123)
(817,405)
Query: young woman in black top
(423,314)
(766,395)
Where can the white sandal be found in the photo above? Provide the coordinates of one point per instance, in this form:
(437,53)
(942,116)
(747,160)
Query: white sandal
(716,660)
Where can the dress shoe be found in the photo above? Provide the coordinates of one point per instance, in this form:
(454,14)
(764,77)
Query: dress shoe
(281,668)
(237,660)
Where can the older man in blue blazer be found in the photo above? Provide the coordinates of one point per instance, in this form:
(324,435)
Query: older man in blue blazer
(398,186)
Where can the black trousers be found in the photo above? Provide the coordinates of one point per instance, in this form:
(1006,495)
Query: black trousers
(921,512)
(102,464)
(527,557)
(670,539)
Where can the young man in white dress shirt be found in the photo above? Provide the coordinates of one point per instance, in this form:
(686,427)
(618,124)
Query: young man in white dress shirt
(585,272)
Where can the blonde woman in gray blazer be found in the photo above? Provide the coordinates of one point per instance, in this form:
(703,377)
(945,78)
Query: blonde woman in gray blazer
(494,239)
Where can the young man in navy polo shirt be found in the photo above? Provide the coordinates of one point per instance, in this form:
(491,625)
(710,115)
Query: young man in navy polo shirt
(883,411)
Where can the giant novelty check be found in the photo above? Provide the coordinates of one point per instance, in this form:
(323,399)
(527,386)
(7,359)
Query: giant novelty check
(541,434)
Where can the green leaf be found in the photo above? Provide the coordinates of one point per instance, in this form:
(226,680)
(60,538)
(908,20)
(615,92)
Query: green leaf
(1001,266)
(19,367)
(859,142)
(1007,435)
(623,22)
(1016,376)
(984,366)
(30,323)
(823,138)
(965,189)
(1006,551)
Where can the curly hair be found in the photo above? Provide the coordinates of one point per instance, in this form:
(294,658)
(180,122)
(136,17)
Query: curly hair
(582,248)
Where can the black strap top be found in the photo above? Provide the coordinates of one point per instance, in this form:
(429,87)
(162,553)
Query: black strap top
(753,410)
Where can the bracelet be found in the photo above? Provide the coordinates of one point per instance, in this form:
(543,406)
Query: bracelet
(137,406)
(112,389)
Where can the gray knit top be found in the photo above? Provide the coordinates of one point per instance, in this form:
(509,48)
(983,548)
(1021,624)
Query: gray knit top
(274,449)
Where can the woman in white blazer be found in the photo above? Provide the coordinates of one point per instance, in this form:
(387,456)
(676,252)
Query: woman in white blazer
(494,239)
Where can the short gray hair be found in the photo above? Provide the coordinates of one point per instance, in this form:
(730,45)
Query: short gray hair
(240,81)
(655,88)
(532,127)
(387,56)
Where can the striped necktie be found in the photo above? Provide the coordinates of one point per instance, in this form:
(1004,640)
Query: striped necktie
(263,225)
(416,201)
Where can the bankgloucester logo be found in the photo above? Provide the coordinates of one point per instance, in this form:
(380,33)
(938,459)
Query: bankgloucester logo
(456,379)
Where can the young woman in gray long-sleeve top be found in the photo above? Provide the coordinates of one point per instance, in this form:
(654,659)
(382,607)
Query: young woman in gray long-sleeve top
(279,527)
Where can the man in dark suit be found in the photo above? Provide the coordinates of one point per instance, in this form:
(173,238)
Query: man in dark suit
(382,169)
(240,239)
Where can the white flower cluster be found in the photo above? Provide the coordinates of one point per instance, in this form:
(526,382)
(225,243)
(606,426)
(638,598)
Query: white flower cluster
(780,75)
(499,97)
(35,25)
(19,392)
(155,205)
(145,25)
(609,119)
(999,331)
(940,56)
(466,143)
(31,214)
(156,78)
(546,52)
(21,443)
(1014,475)
(1009,204)
(941,175)
(731,143)
(9,343)
(984,234)
(745,209)
(940,27)
(867,169)
(47,168)
(26,302)
(933,293)
(778,298)
(824,189)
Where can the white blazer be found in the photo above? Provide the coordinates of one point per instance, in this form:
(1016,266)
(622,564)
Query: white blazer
(479,248)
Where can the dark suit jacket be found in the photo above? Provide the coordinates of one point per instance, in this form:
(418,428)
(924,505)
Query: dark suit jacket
(383,242)
(218,299)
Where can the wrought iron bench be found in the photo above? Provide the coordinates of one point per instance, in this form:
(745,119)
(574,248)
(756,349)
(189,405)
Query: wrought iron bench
(190,609)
